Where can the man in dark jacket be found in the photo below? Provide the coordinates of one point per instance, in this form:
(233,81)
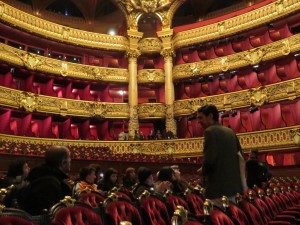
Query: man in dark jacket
(48,182)
(220,167)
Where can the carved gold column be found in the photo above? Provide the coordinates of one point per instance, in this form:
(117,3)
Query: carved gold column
(168,54)
(132,54)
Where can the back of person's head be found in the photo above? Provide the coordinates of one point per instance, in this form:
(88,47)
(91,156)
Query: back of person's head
(55,156)
(128,171)
(210,109)
(15,168)
(85,171)
(143,173)
(165,174)
(254,154)
(108,173)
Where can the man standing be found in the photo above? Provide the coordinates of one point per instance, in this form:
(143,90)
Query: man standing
(220,168)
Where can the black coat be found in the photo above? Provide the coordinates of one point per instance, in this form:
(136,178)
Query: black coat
(47,187)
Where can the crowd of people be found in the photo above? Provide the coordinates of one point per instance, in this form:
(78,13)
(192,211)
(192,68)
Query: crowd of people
(41,187)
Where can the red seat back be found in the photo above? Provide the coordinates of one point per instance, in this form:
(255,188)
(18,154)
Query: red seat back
(119,210)
(154,211)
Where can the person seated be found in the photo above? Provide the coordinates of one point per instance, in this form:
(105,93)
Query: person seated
(129,180)
(87,181)
(165,177)
(110,180)
(49,183)
(257,171)
(146,183)
(17,172)
(179,184)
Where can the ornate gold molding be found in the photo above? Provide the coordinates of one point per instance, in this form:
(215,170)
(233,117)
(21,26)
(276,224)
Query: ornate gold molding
(247,58)
(267,140)
(237,24)
(151,76)
(36,25)
(150,45)
(41,103)
(240,99)
(31,61)
(151,110)
(287,90)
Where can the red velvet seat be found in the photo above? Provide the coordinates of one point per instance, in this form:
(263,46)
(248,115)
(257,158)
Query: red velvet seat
(173,201)
(121,210)
(219,218)
(13,220)
(70,212)
(195,204)
(154,211)
(93,199)
(12,216)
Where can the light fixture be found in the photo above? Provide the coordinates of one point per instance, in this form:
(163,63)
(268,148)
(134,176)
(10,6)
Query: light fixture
(112,31)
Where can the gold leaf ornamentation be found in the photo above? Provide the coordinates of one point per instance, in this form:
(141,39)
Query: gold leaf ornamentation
(258,96)
(295,135)
(28,101)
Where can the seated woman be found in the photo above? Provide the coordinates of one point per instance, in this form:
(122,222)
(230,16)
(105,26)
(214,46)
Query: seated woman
(146,182)
(129,180)
(87,181)
(110,180)
(17,171)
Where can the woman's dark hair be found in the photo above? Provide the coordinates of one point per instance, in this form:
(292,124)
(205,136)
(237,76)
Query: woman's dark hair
(108,173)
(165,174)
(85,171)
(15,168)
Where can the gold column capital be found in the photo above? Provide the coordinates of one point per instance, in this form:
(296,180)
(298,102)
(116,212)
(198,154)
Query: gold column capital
(132,54)
(168,53)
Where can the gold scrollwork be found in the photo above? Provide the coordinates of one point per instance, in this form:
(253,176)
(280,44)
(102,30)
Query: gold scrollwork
(64,69)
(151,75)
(279,5)
(258,96)
(295,135)
(255,56)
(286,49)
(98,110)
(28,101)
(221,27)
(65,32)
(98,73)
(29,60)
(224,64)
(2,9)
(64,108)
(150,45)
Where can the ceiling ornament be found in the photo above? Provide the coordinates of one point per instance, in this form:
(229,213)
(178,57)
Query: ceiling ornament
(146,6)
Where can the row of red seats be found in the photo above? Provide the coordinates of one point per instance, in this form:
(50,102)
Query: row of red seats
(248,40)
(245,78)
(271,116)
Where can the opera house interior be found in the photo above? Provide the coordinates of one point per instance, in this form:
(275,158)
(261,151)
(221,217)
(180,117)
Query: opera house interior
(119,81)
